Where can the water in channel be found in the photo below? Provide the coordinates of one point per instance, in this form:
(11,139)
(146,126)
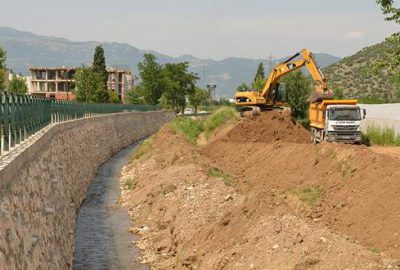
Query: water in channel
(102,238)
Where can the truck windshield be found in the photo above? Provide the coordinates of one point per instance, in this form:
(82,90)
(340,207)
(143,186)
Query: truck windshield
(345,114)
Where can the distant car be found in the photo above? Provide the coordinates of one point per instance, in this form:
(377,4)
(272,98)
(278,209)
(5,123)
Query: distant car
(189,111)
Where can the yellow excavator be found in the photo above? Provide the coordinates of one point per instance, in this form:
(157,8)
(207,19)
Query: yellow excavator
(268,98)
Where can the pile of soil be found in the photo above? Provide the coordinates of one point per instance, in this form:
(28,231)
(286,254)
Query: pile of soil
(268,127)
(190,219)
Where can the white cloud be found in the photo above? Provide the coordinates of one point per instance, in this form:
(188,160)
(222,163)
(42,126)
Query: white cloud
(354,35)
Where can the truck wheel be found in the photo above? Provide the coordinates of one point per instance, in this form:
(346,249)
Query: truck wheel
(313,137)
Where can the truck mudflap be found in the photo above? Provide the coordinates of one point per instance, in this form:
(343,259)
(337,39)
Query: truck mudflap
(344,137)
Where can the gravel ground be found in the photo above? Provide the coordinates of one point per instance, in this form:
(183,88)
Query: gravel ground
(383,115)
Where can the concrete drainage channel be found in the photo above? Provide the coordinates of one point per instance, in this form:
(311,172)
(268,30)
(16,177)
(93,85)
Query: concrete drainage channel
(102,238)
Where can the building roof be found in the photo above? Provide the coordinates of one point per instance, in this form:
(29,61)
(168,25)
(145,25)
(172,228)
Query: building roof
(51,68)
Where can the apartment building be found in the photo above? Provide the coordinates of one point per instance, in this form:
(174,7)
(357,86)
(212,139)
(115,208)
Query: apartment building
(120,80)
(59,82)
(53,82)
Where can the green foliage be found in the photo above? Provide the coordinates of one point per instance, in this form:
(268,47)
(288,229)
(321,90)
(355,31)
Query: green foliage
(197,97)
(258,83)
(392,13)
(310,195)
(128,184)
(113,97)
(134,96)
(153,79)
(99,64)
(260,72)
(90,86)
(221,116)
(385,136)
(17,85)
(191,128)
(3,58)
(228,179)
(371,100)
(298,89)
(243,87)
(391,57)
(143,148)
(373,249)
(338,93)
(179,84)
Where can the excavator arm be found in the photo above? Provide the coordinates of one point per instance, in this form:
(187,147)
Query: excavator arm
(307,60)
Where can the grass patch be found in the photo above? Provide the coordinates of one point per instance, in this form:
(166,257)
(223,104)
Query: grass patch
(128,184)
(228,179)
(191,128)
(310,195)
(218,118)
(143,148)
(374,249)
(345,167)
(385,136)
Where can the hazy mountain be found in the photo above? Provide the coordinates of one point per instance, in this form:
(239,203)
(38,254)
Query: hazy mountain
(26,49)
(357,76)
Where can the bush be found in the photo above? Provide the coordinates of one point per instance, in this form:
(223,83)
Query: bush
(385,136)
(191,128)
(228,179)
(129,184)
(310,195)
(218,118)
(142,149)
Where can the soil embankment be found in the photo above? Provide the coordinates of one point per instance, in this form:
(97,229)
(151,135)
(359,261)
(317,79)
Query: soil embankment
(259,196)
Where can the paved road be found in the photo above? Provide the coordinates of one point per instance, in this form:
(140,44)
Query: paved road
(102,239)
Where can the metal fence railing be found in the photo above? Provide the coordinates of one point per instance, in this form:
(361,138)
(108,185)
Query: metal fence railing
(23,115)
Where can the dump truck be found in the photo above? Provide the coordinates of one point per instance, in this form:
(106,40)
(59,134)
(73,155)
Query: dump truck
(336,121)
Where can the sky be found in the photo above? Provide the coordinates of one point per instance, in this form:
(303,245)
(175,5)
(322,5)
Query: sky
(213,29)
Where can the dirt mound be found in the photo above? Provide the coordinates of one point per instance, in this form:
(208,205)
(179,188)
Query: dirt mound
(291,206)
(268,127)
(358,188)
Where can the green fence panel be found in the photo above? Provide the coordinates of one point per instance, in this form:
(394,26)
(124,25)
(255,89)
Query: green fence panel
(23,115)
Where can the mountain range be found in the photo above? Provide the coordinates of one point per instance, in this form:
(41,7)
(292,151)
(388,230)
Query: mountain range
(25,49)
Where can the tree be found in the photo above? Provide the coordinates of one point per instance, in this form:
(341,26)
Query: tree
(258,83)
(260,72)
(392,13)
(153,81)
(99,64)
(179,83)
(113,97)
(90,86)
(338,93)
(3,58)
(197,97)
(391,58)
(243,87)
(17,85)
(298,89)
(134,96)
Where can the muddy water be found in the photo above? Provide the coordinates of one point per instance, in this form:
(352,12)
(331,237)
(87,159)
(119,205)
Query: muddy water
(102,239)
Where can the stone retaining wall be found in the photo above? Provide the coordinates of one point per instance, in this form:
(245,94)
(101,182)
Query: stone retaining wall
(43,184)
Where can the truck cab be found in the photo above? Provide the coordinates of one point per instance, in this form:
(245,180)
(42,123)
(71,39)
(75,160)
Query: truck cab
(336,121)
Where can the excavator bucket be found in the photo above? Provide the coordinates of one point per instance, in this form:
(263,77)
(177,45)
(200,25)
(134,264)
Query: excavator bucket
(317,97)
